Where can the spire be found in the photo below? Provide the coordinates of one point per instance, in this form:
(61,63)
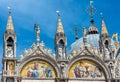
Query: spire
(91,10)
(59,26)
(60,41)
(103,29)
(10,27)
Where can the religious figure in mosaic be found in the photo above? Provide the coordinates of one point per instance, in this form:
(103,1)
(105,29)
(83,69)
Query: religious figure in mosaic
(85,69)
(38,69)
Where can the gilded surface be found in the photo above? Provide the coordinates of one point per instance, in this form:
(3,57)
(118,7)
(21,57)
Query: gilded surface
(11,65)
(38,69)
(85,69)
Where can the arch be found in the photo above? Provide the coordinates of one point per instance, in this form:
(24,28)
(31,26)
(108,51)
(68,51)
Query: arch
(10,80)
(117,67)
(93,60)
(106,43)
(61,42)
(13,37)
(61,39)
(39,58)
(10,41)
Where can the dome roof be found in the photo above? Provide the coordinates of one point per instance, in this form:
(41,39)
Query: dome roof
(92,40)
(93,29)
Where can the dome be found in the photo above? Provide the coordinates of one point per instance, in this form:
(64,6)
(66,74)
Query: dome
(92,29)
(92,40)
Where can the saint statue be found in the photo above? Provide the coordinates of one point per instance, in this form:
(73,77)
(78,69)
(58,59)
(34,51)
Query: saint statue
(9,51)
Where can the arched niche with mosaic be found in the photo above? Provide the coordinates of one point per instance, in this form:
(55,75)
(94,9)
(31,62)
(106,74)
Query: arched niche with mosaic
(11,65)
(86,69)
(38,69)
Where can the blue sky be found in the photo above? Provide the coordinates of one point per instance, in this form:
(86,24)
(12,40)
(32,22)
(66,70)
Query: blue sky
(26,13)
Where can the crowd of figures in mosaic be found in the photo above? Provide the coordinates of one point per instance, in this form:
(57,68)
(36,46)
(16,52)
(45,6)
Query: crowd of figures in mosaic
(93,57)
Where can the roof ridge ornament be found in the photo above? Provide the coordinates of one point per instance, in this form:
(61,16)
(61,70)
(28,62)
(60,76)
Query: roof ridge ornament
(115,36)
(76,30)
(91,10)
(9,10)
(102,15)
(37,29)
(84,35)
(58,12)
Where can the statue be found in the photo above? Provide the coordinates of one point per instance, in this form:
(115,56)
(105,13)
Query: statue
(33,46)
(84,35)
(111,67)
(73,52)
(29,51)
(9,51)
(42,44)
(115,36)
(62,67)
(107,54)
(21,57)
(25,52)
(117,74)
(49,51)
(60,52)
(37,29)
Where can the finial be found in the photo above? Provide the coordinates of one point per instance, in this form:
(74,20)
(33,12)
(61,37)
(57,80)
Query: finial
(9,10)
(84,32)
(58,12)
(91,10)
(102,15)
(115,35)
(76,31)
(37,29)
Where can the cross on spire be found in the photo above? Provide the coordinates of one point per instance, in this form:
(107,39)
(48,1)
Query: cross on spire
(9,10)
(58,12)
(91,10)
(102,15)
(76,30)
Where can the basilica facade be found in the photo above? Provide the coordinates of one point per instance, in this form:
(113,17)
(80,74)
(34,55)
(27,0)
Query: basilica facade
(95,57)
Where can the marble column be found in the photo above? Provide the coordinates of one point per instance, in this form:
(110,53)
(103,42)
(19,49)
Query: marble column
(4,79)
(15,79)
(5,65)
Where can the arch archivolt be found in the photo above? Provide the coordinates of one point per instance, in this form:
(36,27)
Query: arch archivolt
(117,67)
(87,66)
(38,66)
